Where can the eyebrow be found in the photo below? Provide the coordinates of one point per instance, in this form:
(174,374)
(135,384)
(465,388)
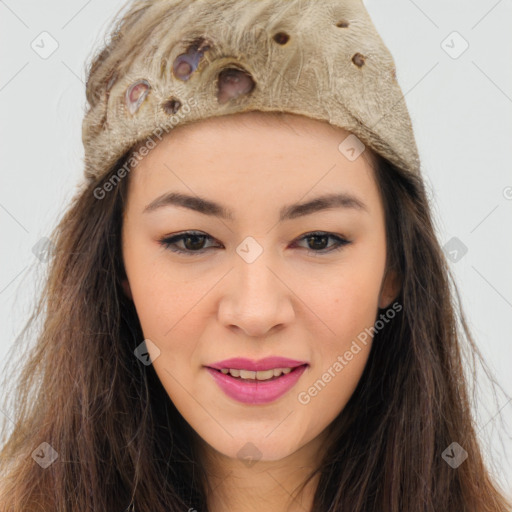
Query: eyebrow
(292,211)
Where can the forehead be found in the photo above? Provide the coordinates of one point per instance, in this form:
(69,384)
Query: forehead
(255,150)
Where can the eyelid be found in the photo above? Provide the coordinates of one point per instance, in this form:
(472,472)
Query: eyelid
(169,241)
(341,241)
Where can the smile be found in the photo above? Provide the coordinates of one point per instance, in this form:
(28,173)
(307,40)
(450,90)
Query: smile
(256,387)
(254,376)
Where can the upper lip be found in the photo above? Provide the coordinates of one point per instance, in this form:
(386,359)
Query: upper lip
(268,363)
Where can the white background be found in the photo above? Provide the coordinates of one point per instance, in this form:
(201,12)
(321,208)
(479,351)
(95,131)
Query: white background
(461,110)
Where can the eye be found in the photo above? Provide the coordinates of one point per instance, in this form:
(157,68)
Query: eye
(318,239)
(194,242)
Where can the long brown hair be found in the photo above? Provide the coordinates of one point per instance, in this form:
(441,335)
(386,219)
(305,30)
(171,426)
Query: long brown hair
(120,440)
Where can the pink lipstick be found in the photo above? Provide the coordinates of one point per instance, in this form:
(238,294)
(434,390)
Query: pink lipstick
(276,376)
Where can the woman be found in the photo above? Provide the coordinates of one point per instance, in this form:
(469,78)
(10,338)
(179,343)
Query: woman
(247,306)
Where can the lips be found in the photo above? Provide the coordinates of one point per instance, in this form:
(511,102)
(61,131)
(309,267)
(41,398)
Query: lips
(256,393)
(268,363)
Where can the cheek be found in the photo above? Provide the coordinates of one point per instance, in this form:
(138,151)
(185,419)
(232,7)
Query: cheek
(348,299)
(349,310)
(328,389)
(167,313)
(341,354)
(348,306)
(354,305)
(171,319)
(165,302)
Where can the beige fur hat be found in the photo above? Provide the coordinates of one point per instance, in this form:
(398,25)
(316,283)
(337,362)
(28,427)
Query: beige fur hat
(172,62)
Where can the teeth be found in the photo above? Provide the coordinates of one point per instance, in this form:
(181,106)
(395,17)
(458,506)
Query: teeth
(260,375)
(247,374)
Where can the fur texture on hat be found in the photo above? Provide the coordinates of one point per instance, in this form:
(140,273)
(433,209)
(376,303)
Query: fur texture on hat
(173,62)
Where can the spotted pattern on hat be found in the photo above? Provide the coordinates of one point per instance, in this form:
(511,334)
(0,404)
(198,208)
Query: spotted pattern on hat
(136,94)
(178,59)
(171,106)
(186,63)
(281,37)
(358,60)
(232,82)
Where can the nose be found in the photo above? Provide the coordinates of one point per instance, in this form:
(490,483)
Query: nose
(256,299)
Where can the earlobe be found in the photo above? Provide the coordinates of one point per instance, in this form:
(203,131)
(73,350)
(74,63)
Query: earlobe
(126,288)
(390,289)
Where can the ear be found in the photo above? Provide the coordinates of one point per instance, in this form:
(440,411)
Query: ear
(126,288)
(390,289)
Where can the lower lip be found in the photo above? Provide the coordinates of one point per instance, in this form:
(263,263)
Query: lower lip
(261,392)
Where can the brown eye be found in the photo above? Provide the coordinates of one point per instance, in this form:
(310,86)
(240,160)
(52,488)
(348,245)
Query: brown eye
(193,242)
(317,242)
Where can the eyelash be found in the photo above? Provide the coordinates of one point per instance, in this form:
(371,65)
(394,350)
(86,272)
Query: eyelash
(170,242)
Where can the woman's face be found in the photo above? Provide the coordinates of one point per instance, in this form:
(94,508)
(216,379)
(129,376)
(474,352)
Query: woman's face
(250,283)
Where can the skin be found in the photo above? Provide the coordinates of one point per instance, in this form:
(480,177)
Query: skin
(202,308)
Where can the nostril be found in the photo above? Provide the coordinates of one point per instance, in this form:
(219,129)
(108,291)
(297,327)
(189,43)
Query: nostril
(232,83)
